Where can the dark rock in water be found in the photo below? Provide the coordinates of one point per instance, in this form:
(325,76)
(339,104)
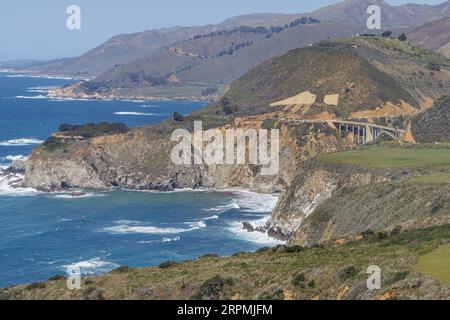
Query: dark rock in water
(78,194)
(261,229)
(278,234)
(248,226)
(17,166)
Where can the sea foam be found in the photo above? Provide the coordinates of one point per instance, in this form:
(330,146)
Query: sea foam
(92,266)
(137,227)
(129,113)
(20,142)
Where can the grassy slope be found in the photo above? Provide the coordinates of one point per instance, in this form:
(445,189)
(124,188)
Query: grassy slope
(322,70)
(367,72)
(328,272)
(436,264)
(387,156)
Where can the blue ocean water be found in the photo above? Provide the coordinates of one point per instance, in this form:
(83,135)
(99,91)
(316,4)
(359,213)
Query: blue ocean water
(41,234)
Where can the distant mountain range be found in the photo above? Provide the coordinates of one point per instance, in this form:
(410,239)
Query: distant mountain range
(434,35)
(219,54)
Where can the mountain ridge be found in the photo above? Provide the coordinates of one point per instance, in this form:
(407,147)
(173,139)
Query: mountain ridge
(123,49)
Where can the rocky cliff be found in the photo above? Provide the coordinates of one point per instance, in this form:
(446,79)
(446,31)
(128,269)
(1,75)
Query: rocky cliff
(340,199)
(140,160)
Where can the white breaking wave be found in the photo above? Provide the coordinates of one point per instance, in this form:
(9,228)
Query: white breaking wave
(256,202)
(14,158)
(214,217)
(92,266)
(9,186)
(39,89)
(130,227)
(224,208)
(125,113)
(20,142)
(237,229)
(77,196)
(32,97)
(171,239)
(248,201)
(37,76)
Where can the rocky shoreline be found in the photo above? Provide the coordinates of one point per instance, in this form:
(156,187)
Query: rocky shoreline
(62,93)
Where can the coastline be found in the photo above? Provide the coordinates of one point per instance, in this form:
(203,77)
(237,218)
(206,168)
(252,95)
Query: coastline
(58,93)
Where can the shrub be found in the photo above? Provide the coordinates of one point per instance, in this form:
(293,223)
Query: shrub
(4,295)
(177,117)
(122,269)
(347,273)
(294,249)
(209,91)
(402,37)
(274,295)
(211,288)
(52,144)
(263,249)
(299,280)
(91,130)
(167,264)
(57,278)
(434,66)
(36,285)
(399,276)
(210,255)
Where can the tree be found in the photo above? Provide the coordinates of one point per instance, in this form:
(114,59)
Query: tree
(177,117)
(386,34)
(225,102)
(402,37)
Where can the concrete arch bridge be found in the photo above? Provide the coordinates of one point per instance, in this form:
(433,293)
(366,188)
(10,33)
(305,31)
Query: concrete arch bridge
(362,132)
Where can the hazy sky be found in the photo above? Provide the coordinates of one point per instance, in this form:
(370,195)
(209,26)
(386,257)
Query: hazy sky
(37,29)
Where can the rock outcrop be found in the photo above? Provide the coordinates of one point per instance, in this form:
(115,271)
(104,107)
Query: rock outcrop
(141,160)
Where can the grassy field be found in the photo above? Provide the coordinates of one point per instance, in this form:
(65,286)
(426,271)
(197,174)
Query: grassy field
(436,264)
(438,178)
(324,272)
(386,156)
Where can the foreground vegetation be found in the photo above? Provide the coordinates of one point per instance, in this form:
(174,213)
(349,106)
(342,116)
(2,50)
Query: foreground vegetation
(321,272)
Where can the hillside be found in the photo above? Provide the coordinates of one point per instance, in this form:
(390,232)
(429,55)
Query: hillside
(368,73)
(434,124)
(413,266)
(348,17)
(117,50)
(434,36)
(217,59)
(393,17)
(378,187)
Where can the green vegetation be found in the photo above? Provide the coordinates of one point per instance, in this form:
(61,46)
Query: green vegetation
(348,273)
(91,130)
(419,54)
(436,264)
(317,272)
(434,178)
(392,156)
(167,264)
(345,61)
